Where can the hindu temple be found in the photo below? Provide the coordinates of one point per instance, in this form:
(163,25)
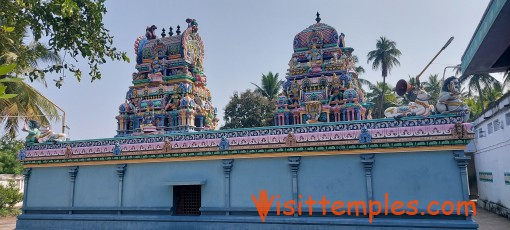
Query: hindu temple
(157,173)
(169,92)
(322,82)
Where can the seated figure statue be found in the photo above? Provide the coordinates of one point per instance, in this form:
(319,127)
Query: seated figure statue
(32,128)
(449,100)
(36,134)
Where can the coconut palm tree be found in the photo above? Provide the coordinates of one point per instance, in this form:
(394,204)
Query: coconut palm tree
(457,69)
(492,94)
(359,69)
(478,82)
(29,103)
(270,85)
(433,87)
(384,57)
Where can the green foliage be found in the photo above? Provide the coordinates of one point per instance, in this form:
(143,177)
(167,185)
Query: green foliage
(10,195)
(390,98)
(74,28)
(29,102)
(4,70)
(9,149)
(477,83)
(474,107)
(270,86)
(384,57)
(248,109)
(433,87)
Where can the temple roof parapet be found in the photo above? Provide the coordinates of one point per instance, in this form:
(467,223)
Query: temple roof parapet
(373,135)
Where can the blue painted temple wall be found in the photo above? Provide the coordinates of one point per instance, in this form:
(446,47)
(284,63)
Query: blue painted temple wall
(404,176)
(422,176)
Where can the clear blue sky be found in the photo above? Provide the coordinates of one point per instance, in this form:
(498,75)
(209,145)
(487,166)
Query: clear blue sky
(244,39)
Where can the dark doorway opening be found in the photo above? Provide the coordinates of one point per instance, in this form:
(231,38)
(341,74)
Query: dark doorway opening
(187,200)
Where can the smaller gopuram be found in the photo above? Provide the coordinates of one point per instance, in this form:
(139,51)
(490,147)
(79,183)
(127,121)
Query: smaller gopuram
(322,82)
(169,92)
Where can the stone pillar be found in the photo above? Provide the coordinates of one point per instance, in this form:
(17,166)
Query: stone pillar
(368,162)
(227,168)
(294,168)
(462,161)
(26,174)
(73,172)
(121,170)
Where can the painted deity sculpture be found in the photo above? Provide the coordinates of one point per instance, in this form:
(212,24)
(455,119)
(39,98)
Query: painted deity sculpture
(418,107)
(38,134)
(169,92)
(449,100)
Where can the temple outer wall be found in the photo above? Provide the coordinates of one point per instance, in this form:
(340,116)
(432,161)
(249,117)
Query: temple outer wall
(88,196)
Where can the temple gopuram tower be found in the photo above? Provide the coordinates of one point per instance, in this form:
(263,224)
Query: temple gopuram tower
(169,92)
(322,83)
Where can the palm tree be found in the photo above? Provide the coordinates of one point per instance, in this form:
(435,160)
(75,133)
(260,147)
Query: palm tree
(270,85)
(492,94)
(433,87)
(29,103)
(384,57)
(506,78)
(478,82)
(457,69)
(359,69)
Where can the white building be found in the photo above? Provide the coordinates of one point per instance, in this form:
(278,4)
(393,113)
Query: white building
(492,157)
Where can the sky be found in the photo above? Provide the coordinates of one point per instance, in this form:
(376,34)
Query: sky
(245,39)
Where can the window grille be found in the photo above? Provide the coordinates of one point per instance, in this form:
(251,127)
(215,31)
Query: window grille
(187,200)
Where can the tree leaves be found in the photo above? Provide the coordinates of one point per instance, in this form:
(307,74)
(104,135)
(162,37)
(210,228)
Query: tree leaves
(248,109)
(74,29)
(5,69)
(270,86)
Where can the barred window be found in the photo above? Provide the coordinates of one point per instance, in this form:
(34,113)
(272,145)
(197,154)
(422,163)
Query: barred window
(481,133)
(187,200)
(496,125)
(490,128)
(507,116)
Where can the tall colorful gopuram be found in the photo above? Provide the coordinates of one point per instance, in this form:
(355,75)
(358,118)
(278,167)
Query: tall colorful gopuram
(322,82)
(169,92)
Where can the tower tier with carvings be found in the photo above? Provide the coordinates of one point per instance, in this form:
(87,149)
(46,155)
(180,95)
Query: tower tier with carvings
(169,92)
(322,82)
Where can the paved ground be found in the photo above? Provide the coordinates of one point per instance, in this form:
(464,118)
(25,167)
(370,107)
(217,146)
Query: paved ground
(486,220)
(7,223)
(490,221)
